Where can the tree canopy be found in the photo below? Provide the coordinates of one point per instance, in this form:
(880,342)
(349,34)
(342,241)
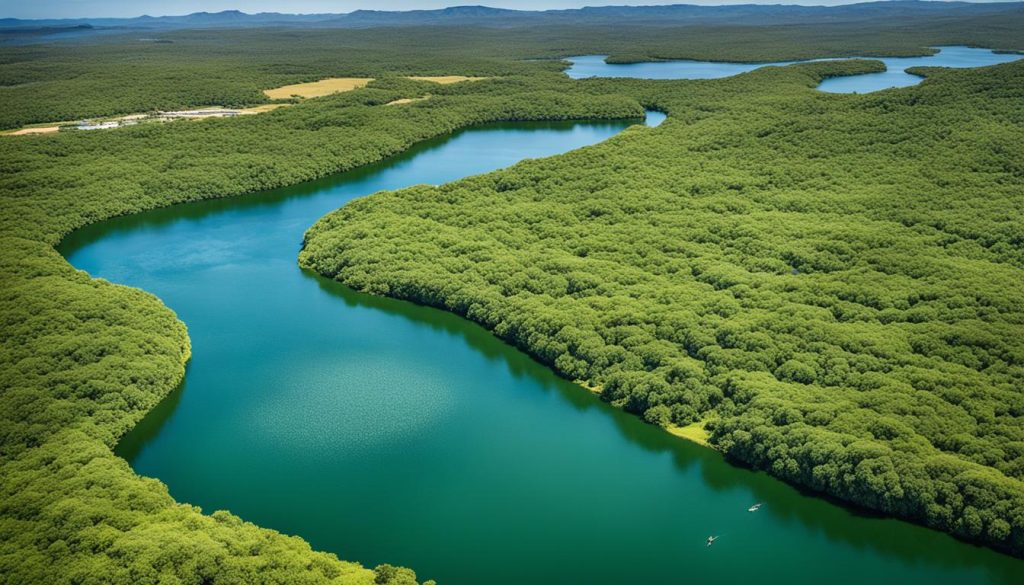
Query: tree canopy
(84,359)
(830,282)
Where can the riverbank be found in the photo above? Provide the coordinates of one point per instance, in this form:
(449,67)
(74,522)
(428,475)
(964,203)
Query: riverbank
(623,286)
(694,433)
(68,409)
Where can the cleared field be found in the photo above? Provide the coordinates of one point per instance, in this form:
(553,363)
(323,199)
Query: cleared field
(197,114)
(42,130)
(317,88)
(331,85)
(446,79)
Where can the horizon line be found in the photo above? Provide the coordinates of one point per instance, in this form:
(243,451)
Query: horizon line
(523,10)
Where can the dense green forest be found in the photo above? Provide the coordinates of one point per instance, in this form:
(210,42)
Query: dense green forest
(123,75)
(733,288)
(831,283)
(84,359)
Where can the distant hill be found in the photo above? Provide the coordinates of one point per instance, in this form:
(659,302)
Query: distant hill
(670,15)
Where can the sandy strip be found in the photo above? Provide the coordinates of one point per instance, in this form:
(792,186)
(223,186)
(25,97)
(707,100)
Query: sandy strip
(43,130)
(406,101)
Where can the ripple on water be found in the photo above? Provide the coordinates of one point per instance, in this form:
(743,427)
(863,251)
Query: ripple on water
(353,405)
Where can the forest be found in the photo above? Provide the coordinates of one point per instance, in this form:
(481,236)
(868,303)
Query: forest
(85,359)
(190,68)
(829,282)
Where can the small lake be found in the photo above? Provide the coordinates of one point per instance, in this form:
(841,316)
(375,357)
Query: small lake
(894,76)
(389,432)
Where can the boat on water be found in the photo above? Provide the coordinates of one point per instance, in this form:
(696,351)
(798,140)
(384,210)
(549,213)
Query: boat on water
(755,507)
(712,539)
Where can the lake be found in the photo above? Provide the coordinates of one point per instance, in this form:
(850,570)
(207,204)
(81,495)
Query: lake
(894,76)
(388,432)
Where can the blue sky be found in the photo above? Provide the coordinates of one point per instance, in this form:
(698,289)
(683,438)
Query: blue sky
(124,8)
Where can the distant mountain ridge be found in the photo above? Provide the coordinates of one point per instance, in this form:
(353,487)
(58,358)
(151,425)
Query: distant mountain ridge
(667,15)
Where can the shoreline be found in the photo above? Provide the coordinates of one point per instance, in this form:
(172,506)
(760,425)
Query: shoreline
(693,432)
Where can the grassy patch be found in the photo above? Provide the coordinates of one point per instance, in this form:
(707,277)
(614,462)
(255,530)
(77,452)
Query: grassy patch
(693,432)
(446,79)
(317,88)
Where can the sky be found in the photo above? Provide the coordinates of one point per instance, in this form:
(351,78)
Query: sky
(129,8)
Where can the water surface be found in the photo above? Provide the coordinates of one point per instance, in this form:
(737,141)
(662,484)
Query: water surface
(389,432)
(895,74)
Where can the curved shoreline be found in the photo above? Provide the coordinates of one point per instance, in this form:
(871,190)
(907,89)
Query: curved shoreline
(83,235)
(39,276)
(348,265)
(172,204)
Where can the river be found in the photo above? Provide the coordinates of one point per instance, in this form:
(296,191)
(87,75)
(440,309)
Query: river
(389,432)
(895,74)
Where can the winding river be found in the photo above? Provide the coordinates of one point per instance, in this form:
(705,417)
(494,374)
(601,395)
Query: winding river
(895,74)
(389,432)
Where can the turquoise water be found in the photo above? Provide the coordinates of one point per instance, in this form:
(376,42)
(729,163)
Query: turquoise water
(594,66)
(894,76)
(388,432)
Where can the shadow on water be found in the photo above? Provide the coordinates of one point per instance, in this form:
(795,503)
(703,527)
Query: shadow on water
(827,516)
(135,440)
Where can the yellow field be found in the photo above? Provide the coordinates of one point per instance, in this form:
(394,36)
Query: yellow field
(317,88)
(448,79)
(339,84)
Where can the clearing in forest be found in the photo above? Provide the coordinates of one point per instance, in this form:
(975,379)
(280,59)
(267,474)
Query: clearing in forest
(317,88)
(33,130)
(446,79)
(339,84)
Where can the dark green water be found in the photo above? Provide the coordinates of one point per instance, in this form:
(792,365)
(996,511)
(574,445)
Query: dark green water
(388,432)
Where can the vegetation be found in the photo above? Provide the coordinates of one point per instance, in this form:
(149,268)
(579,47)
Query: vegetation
(318,88)
(673,288)
(192,68)
(85,359)
(830,282)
